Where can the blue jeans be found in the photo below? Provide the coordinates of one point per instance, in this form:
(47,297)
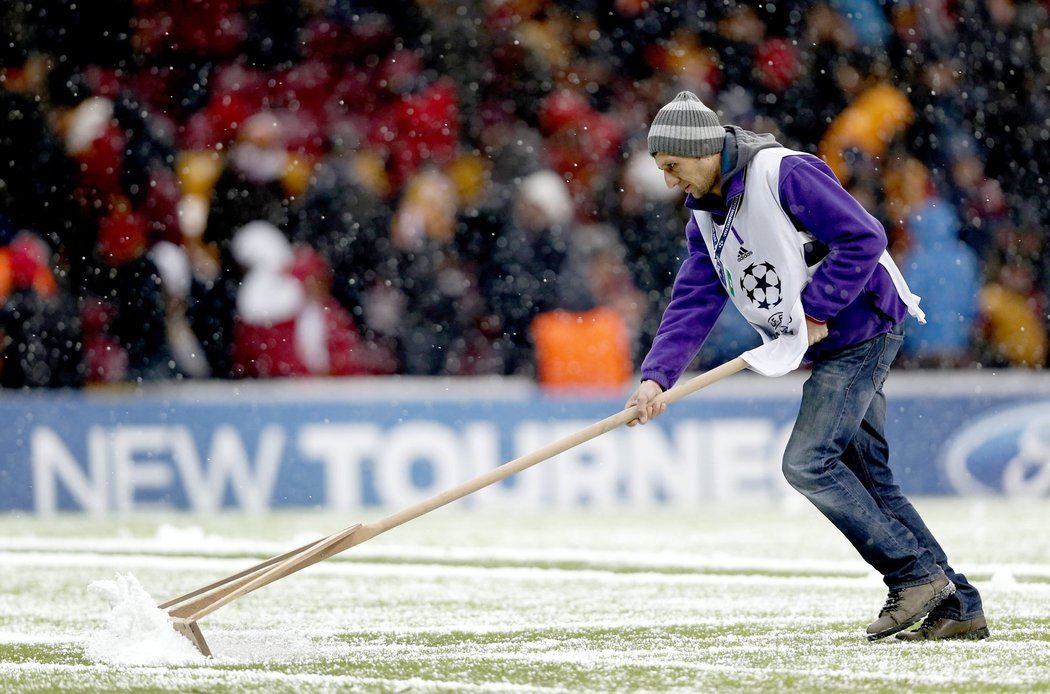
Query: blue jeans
(837,457)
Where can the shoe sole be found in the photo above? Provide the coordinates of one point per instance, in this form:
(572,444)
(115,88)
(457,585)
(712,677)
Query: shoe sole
(975,635)
(938,597)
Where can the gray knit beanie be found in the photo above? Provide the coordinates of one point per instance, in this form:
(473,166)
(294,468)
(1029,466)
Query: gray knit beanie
(686,128)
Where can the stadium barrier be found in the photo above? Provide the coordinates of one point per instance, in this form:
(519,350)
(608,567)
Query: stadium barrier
(345,444)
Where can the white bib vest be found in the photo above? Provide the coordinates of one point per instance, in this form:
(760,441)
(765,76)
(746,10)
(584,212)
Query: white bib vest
(759,257)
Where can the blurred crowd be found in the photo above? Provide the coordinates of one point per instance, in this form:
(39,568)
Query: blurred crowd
(269,188)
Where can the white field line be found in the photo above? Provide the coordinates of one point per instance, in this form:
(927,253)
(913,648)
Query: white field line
(609,560)
(336,568)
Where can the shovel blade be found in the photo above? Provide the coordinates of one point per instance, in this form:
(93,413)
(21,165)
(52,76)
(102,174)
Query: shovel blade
(192,632)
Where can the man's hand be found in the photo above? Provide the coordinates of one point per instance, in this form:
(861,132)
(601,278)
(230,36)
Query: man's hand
(816,331)
(643,397)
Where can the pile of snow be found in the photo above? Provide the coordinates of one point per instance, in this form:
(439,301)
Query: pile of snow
(137,632)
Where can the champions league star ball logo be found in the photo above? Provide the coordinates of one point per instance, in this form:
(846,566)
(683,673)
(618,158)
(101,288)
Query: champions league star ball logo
(761,284)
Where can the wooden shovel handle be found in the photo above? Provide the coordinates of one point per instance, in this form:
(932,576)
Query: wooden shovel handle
(198,603)
(560,446)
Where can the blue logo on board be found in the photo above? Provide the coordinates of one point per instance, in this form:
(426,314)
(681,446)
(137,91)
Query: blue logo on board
(1007,452)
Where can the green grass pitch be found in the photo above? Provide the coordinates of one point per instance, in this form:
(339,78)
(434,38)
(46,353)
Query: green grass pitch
(725,599)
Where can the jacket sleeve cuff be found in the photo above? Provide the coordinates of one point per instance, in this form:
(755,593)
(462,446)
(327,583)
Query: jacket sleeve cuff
(659,378)
(811,319)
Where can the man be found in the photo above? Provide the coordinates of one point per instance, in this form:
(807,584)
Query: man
(773,231)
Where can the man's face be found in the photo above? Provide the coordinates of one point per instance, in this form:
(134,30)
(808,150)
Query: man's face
(697,176)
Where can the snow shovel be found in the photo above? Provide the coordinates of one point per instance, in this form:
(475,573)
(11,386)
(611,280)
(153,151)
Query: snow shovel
(186,610)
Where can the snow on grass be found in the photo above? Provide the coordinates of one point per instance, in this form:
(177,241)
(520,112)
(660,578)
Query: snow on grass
(705,600)
(137,632)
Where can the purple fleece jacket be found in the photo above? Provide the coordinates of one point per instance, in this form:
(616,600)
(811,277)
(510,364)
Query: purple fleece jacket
(850,290)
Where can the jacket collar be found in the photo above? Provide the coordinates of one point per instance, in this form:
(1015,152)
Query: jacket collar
(731,188)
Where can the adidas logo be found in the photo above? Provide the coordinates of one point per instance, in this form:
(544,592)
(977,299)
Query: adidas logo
(744,253)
